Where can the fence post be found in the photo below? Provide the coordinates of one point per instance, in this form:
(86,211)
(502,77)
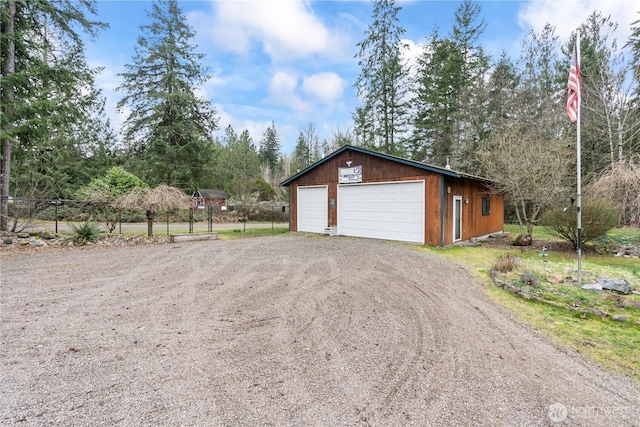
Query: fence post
(167,223)
(190,220)
(210,217)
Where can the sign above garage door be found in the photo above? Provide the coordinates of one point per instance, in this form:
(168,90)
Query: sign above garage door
(350,175)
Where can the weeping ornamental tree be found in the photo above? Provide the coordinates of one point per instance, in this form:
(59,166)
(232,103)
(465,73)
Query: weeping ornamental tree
(160,198)
(619,185)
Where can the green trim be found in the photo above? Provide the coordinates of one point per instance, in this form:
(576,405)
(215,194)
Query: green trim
(443,204)
(419,165)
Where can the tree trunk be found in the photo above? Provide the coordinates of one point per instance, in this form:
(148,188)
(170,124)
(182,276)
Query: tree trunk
(8,94)
(150,216)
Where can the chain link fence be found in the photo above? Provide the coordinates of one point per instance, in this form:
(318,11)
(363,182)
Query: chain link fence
(26,213)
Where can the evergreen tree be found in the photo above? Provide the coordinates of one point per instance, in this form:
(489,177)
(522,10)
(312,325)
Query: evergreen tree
(503,94)
(52,128)
(270,155)
(244,164)
(169,129)
(451,96)
(383,82)
(471,118)
(436,101)
(301,155)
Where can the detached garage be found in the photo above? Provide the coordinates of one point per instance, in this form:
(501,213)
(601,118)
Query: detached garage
(362,193)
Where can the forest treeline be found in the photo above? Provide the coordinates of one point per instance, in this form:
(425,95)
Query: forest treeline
(502,117)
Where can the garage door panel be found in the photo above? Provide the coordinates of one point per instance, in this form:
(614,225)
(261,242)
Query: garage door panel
(312,209)
(391,211)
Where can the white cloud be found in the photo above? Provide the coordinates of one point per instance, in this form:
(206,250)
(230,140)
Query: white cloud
(283,91)
(327,87)
(284,29)
(568,15)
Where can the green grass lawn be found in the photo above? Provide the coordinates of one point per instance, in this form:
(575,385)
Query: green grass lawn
(562,310)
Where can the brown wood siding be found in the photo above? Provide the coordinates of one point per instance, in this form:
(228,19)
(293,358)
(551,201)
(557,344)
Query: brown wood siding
(293,207)
(433,190)
(473,223)
(375,169)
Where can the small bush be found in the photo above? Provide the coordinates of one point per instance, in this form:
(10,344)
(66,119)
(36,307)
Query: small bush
(87,232)
(506,263)
(529,278)
(598,217)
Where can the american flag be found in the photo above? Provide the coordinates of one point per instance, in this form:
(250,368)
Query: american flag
(575,86)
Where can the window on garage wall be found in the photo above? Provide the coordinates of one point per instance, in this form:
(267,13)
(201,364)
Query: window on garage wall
(486,205)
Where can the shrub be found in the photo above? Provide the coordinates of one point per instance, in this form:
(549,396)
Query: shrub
(598,217)
(506,263)
(87,232)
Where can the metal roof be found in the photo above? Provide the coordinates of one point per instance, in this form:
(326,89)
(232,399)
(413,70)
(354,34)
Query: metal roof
(420,165)
(212,194)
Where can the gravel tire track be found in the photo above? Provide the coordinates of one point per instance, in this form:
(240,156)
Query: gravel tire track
(287,330)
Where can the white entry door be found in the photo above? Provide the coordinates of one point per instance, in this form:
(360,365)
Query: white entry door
(390,211)
(457,218)
(313,213)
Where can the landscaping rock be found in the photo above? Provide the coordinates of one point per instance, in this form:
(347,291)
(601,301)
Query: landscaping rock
(7,241)
(618,285)
(498,235)
(522,240)
(619,318)
(631,303)
(23,235)
(596,287)
(592,311)
(37,242)
(554,279)
(47,235)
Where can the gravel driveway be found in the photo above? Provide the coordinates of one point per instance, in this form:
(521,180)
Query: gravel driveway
(290,330)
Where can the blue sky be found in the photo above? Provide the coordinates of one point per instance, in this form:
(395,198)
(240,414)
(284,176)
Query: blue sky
(292,62)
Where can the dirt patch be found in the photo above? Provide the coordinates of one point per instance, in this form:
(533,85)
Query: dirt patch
(290,330)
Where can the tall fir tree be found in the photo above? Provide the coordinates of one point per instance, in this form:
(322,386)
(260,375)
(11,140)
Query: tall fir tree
(169,129)
(244,164)
(53,130)
(471,118)
(270,156)
(382,84)
(436,101)
(301,154)
(450,101)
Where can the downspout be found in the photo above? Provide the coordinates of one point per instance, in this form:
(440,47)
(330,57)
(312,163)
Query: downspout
(442,206)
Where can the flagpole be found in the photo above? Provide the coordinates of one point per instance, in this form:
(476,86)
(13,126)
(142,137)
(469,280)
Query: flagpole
(579,169)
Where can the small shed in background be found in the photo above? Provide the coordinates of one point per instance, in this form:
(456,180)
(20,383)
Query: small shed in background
(206,197)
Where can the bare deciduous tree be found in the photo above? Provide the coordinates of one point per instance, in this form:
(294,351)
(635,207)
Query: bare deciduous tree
(532,170)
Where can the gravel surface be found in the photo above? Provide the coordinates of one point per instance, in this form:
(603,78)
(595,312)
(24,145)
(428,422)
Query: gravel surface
(289,330)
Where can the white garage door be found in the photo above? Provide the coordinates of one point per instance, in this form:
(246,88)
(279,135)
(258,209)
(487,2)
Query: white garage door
(312,209)
(391,211)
